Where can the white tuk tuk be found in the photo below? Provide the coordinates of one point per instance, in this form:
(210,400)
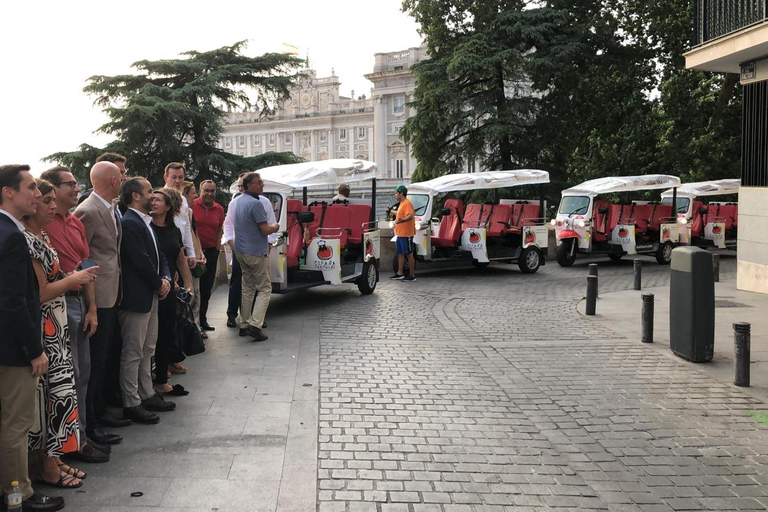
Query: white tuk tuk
(323,241)
(711,225)
(587,225)
(512,230)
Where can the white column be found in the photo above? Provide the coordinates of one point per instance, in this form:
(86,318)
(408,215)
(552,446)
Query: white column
(352,138)
(331,144)
(313,143)
(380,141)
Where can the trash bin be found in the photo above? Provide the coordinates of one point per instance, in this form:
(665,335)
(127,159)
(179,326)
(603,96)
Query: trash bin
(692,304)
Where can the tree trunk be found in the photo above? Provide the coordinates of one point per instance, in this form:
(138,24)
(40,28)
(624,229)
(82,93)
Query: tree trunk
(505,147)
(723,97)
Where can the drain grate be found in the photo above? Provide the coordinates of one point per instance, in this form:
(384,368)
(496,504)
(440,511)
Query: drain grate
(729,304)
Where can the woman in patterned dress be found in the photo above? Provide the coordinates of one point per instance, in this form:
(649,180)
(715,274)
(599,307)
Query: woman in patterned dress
(56,429)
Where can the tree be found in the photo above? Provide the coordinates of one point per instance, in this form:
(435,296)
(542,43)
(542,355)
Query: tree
(171,110)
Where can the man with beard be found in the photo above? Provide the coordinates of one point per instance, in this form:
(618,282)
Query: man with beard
(209,220)
(145,280)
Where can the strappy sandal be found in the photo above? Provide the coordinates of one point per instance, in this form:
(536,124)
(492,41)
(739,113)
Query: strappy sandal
(64,482)
(177,368)
(203,335)
(71,471)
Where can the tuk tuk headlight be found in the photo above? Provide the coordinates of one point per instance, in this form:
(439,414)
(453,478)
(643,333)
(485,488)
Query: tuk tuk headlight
(418,226)
(580,223)
(553,222)
(392,224)
(683,221)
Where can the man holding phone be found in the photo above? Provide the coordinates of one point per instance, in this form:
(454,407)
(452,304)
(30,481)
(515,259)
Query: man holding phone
(68,237)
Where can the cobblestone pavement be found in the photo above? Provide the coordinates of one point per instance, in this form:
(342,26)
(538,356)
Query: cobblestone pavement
(487,391)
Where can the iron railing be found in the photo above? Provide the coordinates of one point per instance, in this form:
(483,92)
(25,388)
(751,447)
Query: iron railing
(717,18)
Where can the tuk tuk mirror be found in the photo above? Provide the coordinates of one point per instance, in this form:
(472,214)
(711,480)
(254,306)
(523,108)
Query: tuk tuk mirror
(280,240)
(703,211)
(602,210)
(305,217)
(445,212)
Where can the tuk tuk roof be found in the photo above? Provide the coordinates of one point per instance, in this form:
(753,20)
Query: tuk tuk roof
(321,173)
(622,184)
(706,188)
(479,181)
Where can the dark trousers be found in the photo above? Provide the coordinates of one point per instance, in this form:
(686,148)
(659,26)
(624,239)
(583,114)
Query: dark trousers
(101,346)
(207,280)
(235,288)
(112,393)
(166,337)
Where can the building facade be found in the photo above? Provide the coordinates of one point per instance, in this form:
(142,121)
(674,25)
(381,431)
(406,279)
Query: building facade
(731,36)
(318,123)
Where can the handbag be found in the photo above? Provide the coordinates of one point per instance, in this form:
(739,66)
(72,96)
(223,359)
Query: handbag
(187,332)
(199,270)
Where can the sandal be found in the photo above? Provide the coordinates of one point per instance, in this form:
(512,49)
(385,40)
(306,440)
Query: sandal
(72,471)
(203,335)
(177,368)
(65,481)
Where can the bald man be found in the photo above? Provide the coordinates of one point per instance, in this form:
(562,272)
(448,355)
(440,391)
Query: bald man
(103,232)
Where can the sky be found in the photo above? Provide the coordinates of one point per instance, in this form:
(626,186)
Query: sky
(49,49)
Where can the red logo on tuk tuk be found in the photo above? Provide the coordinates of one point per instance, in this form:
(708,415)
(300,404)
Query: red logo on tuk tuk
(324,252)
(474,237)
(368,247)
(623,233)
(665,234)
(530,237)
(716,230)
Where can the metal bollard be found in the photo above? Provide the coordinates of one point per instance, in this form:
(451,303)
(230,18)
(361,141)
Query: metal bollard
(638,266)
(647,318)
(741,342)
(593,272)
(716,267)
(591,294)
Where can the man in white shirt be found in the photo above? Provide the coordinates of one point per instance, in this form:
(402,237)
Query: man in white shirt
(235,282)
(173,177)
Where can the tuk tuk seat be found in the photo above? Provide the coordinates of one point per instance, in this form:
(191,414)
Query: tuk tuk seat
(473,216)
(697,219)
(295,232)
(361,213)
(600,220)
(499,221)
(449,232)
(660,212)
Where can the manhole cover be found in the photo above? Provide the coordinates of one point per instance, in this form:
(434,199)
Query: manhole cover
(730,304)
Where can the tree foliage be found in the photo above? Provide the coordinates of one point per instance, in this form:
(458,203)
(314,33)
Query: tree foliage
(171,110)
(605,91)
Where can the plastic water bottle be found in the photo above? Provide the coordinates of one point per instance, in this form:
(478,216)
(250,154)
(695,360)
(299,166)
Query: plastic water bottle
(13,499)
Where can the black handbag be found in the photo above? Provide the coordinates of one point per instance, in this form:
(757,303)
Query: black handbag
(189,339)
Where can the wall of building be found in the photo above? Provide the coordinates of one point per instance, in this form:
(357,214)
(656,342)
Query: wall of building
(752,270)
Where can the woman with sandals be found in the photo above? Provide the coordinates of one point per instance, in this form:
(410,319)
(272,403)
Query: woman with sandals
(56,431)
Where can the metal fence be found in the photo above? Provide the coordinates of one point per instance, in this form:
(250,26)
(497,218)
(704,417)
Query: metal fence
(717,18)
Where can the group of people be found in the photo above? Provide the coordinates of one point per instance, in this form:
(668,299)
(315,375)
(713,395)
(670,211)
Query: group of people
(89,284)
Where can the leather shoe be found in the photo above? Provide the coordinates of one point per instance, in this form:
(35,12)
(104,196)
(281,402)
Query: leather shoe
(158,403)
(231,322)
(89,453)
(41,503)
(104,448)
(140,415)
(104,438)
(254,332)
(108,420)
(204,326)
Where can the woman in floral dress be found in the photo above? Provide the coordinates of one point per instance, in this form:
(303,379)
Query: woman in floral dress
(56,429)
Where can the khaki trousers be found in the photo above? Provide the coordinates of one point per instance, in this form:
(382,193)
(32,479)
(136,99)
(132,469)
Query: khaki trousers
(256,277)
(139,333)
(17,416)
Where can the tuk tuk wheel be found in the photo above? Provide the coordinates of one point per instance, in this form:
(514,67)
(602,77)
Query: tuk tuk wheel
(564,256)
(406,267)
(529,260)
(664,253)
(480,264)
(366,283)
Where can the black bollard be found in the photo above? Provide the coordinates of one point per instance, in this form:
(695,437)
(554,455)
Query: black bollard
(741,342)
(638,275)
(716,267)
(591,294)
(647,318)
(593,272)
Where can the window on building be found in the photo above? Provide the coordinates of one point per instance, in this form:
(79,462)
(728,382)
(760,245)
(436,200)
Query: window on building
(227,142)
(396,128)
(257,140)
(323,136)
(342,134)
(271,139)
(288,139)
(361,133)
(241,141)
(398,68)
(399,105)
(399,169)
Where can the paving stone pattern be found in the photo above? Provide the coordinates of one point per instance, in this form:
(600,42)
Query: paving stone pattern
(436,419)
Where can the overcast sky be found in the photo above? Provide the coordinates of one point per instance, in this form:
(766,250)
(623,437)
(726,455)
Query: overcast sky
(48,50)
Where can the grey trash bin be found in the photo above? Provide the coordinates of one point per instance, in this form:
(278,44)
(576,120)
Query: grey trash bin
(692,304)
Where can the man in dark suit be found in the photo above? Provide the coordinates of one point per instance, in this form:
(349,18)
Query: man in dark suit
(22,358)
(145,280)
(103,231)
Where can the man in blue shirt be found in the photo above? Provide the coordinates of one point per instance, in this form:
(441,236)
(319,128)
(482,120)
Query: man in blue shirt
(252,252)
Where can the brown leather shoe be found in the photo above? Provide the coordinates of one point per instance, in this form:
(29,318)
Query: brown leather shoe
(254,332)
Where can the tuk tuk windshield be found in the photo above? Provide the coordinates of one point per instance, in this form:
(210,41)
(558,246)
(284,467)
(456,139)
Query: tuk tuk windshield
(682,203)
(420,202)
(574,205)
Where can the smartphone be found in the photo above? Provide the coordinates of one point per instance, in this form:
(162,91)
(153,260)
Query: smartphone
(87,264)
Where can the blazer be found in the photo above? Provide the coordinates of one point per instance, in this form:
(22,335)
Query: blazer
(104,243)
(141,280)
(20,317)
